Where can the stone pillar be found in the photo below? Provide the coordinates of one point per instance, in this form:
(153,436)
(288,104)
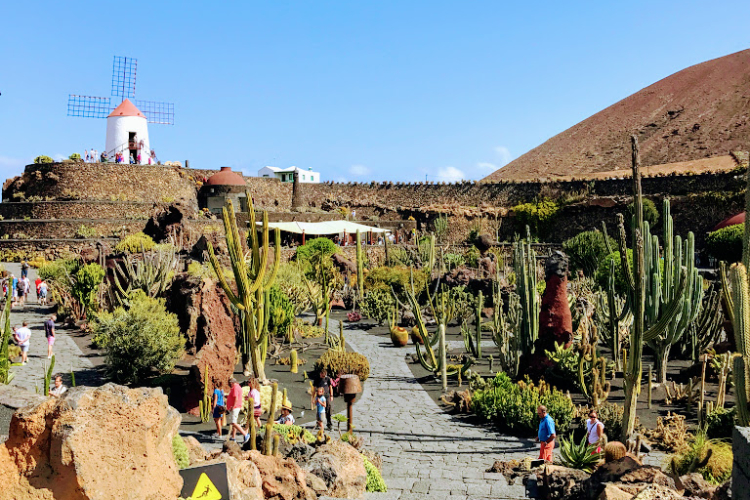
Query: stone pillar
(741,466)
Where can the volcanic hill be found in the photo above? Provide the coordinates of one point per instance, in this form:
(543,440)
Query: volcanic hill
(700,112)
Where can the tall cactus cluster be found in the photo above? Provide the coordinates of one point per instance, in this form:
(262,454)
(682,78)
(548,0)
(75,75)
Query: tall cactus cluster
(6,376)
(524,266)
(614,316)
(252,282)
(739,311)
(643,273)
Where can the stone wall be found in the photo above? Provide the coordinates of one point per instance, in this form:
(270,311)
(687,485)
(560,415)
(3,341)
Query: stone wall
(68,228)
(741,466)
(51,249)
(79,210)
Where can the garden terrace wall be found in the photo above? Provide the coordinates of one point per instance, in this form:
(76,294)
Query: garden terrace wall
(79,209)
(67,228)
(51,249)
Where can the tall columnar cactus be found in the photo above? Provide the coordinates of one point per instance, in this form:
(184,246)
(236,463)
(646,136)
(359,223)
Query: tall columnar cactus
(360,268)
(473,340)
(637,279)
(251,281)
(662,286)
(505,328)
(6,376)
(613,315)
(524,265)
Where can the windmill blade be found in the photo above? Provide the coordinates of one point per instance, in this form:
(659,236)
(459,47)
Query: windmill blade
(123,77)
(157,111)
(86,106)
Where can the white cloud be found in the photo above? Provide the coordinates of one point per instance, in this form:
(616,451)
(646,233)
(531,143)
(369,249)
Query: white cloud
(450,174)
(341,178)
(359,170)
(12,166)
(491,167)
(504,154)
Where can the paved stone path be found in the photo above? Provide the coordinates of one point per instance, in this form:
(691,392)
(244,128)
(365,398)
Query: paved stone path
(68,357)
(426,452)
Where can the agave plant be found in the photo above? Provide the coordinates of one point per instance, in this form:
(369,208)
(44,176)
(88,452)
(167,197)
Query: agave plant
(581,456)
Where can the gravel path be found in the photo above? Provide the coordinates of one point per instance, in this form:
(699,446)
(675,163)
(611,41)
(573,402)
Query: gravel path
(426,452)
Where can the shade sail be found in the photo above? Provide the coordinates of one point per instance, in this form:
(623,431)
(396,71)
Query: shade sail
(322,228)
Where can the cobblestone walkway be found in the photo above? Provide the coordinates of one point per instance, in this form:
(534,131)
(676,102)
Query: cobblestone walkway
(68,357)
(426,452)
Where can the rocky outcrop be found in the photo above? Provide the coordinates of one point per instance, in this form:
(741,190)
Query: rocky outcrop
(342,469)
(561,483)
(628,475)
(282,479)
(245,482)
(101,443)
(207,320)
(196,452)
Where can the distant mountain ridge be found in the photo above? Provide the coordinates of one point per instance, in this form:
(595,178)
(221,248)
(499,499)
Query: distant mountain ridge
(700,112)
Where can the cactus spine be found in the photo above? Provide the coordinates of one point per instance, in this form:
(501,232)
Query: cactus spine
(524,265)
(251,282)
(293,361)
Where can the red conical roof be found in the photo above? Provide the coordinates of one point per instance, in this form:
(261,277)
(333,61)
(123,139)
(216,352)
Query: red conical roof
(731,221)
(127,108)
(225,177)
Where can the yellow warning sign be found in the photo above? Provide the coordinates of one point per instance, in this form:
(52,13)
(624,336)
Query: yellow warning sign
(205,489)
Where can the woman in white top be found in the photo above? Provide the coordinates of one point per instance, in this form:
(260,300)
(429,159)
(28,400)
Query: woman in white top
(594,430)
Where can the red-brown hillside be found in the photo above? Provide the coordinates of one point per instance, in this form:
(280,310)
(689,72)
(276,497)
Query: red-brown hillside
(699,112)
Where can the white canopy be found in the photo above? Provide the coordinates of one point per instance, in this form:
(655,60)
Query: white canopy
(320,228)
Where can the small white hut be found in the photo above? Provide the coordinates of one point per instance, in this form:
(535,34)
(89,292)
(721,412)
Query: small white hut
(127,133)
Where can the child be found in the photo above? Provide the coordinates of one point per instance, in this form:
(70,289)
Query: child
(254,397)
(320,402)
(286,417)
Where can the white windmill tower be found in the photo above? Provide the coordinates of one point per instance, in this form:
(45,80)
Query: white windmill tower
(127,123)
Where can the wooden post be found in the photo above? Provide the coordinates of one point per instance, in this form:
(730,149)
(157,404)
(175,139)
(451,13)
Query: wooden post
(303,236)
(443,358)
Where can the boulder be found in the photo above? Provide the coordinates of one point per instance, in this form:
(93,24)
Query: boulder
(243,476)
(231,448)
(342,469)
(612,492)
(484,242)
(204,314)
(630,475)
(196,451)
(282,478)
(695,486)
(109,442)
(316,484)
(561,482)
(651,492)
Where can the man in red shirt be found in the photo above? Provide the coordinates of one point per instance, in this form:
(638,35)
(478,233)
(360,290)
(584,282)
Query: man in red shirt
(234,405)
(37,282)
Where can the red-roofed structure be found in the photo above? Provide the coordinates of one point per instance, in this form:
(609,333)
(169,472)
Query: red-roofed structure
(126,108)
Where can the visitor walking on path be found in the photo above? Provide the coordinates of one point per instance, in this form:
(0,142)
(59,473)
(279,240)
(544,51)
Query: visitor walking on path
(25,269)
(320,402)
(234,405)
(49,332)
(22,336)
(594,430)
(254,397)
(546,436)
(20,295)
(218,410)
(327,384)
(42,293)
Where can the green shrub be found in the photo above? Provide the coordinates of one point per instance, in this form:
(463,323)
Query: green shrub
(43,159)
(180,452)
(138,340)
(344,362)
(375,481)
(726,243)
(291,280)
(586,250)
(398,278)
(539,216)
(86,285)
(75,157)
(378,305)
(280,311)
(719,466)
(398,256)
(650,213)
(136,242)
(512,406)
(322,246)
(85,231)
(720,422)
(453,260)
(605,269)
(293,432)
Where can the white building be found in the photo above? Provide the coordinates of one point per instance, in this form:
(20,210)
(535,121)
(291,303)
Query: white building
(287,174)
(127,133)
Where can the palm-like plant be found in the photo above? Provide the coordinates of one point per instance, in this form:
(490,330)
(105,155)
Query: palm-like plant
(581,456)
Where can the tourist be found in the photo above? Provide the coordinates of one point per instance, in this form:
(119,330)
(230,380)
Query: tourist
(26,288)
(43,289)
(58,389)
(86,160)
(546,435)
(49,332)
(22,336)
(594,430)
(234,405)
(254,396)
(20,294)
(326,384)
(132,160)
(37,282)
(25,268)
(94,155)
(219,410)
(286,417)
(320,403)
(13,289)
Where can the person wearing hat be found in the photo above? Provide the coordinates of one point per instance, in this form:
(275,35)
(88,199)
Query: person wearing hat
(286,417)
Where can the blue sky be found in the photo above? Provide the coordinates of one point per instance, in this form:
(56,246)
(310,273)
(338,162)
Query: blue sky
(387,90)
